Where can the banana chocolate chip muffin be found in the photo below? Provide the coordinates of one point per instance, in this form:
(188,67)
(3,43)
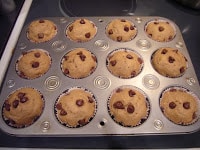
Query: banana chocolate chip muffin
(160,30)
(81,30)
(41,30)
(33,64)
(169,62)
(121,30)
(75,107)
(78,63)
(23,107)
(128,106)
(179,105)
(124,63)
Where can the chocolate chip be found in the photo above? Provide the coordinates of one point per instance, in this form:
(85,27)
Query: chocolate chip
(170,37)
(66,57)
(182,69)
(90,99)
(131,93)
(7,106)
(160,28)
(92,69)
(186,105)
(172,105)
(171,59)
(40,35)
(140,60)
(63,112)
(164,51)
(150,35)
(71,28)
(79,102)
(119,38)
(129,56)
(59,106)
(41,21)
(20,95)
(156,22)
(82,57)
(82,21)
(94,58)
(79,53)
(194,115)
(22,75)
(126,28)
(172,90)
(132,27)
(37,55)
(24,53)
(118,90)
(24,99)
(66,71)
(110,31)
(130,109)
(82,122)
(133,73)
(113,62)
(35,64)
(118,105)
(15,103)
(123,20)
(87,35)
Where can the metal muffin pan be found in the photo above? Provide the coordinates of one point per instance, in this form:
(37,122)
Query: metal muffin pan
(101,82)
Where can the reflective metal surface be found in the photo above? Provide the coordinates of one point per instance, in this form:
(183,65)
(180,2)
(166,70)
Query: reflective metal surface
(101,82)
(188,21)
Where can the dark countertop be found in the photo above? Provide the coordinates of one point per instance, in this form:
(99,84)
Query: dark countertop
(7,23)
(188,21)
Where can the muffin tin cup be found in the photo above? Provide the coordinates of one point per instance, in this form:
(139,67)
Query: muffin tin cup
(12,123)
(143,119)
(185,90)
(101,82)
(78,125)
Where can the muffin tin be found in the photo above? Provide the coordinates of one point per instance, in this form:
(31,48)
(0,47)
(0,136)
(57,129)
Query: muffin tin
(101,82)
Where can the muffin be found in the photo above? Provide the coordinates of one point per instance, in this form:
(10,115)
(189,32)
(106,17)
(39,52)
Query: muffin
(23,107)
(78,63)
(169,62)
(41,31)
(33,64)
(81,30)
(160,30)
(179,105)
(121,30)
(128,106)
(75,107)
(124,63)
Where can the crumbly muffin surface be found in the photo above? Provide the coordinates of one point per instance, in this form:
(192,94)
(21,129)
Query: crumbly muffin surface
(33,64)
(23,107)
(121,30)
(128,106)
(169,62)
(41,31)
(75,107)
(161,31)
(81,30)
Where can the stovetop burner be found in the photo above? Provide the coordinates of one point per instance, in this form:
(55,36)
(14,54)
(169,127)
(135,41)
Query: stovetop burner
(78,8)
